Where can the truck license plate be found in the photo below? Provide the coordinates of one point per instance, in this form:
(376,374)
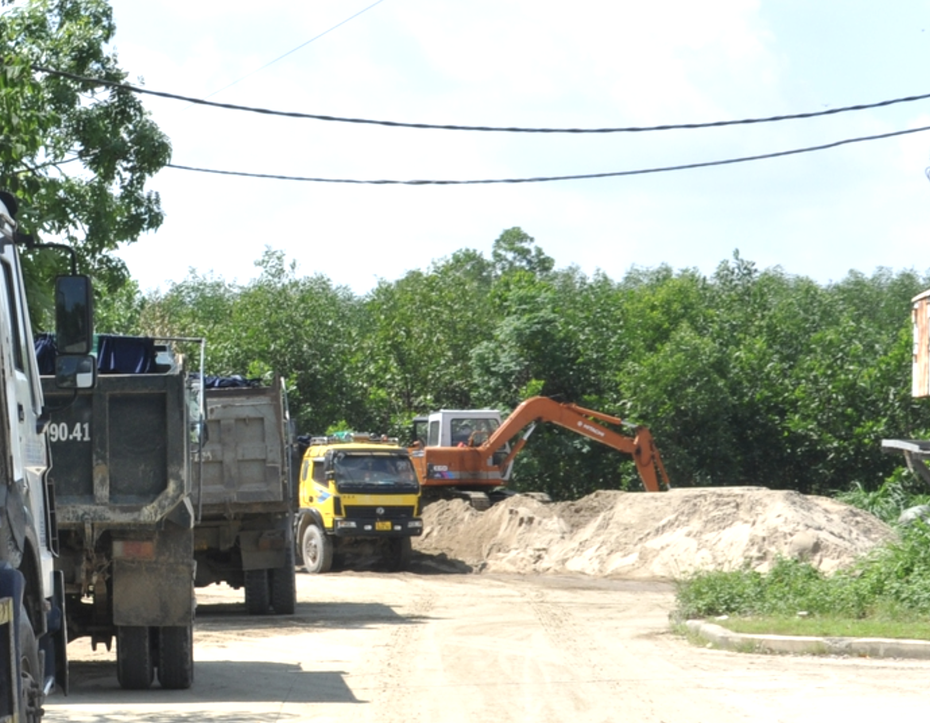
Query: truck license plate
(382,524)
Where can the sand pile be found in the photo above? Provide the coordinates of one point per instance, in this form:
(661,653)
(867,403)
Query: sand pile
(657,536)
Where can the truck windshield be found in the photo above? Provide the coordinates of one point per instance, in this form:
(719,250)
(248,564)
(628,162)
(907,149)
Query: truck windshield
(373,471)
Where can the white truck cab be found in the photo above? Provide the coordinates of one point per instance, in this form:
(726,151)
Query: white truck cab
(32,632)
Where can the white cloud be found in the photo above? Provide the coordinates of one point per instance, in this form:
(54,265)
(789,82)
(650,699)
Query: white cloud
(588,63)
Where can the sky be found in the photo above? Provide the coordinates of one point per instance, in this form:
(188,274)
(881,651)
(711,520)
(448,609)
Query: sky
(533,63)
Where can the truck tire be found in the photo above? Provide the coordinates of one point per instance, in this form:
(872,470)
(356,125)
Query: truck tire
(134,668)
(298,548)
(30,676)
(176,657)
(400,550)
(257,592)
(317,550)
(284,585)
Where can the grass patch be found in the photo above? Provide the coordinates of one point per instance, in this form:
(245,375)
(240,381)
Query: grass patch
(829,627)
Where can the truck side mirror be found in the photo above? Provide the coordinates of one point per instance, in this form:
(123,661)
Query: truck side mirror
(75,372)
(74,315)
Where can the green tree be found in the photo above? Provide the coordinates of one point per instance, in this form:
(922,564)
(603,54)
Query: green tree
(77,153)
(120,312)
(305,330)
(515,250)
(199,306)
(415,349)
(301,328)
(851,388)
(530,351)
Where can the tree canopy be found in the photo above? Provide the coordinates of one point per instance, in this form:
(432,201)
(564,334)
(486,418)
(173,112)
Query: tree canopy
(76,153)
(745,376)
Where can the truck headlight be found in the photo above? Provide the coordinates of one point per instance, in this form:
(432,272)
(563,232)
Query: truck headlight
(415,524)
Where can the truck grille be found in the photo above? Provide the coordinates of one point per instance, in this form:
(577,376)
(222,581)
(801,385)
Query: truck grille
(390,513)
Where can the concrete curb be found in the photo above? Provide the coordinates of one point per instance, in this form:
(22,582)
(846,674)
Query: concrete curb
(799,645)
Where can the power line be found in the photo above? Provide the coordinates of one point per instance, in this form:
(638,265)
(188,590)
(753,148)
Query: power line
(293,50)
(546,179)
(491,129)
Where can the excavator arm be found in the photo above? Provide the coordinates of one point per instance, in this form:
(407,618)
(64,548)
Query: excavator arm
(578,419)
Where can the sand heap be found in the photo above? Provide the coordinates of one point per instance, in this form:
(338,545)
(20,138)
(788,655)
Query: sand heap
(655,536)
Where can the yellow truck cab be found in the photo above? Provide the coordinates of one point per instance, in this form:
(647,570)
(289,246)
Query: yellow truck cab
(358,494)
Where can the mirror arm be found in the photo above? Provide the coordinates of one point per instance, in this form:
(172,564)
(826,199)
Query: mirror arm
(29,241)
(48,410)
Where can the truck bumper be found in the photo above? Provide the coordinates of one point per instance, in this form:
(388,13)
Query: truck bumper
(370,527)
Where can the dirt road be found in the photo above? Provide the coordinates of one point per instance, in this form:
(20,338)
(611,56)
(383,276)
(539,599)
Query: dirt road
(444,648)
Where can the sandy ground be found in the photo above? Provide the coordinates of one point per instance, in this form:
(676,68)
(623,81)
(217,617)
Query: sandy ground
(447,648)
(567,619)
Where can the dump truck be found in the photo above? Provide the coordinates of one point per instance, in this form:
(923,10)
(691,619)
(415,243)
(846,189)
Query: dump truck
(917,451)
(467,453)
(33,638)
(122,476)
(359,496)
(245,496)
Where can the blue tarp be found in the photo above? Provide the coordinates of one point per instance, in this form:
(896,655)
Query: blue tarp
(46,350)
(125,355)
(236,380)
(115,354)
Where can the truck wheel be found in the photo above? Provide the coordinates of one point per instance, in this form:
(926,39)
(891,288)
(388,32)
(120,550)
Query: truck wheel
(317,549)
(30,676)
(134,669)
(284,585)
(176,657)
(257,593)
(399,552)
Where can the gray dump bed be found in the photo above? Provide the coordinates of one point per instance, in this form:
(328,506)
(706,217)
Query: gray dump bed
(244,460)
(120,452)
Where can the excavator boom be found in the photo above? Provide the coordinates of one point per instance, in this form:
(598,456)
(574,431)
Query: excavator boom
(577,419)
(480,466)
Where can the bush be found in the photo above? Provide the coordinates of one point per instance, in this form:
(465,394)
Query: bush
(707,594)
(899,491)
(893,582)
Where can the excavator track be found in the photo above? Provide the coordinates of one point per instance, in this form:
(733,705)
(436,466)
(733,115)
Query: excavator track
(478,500)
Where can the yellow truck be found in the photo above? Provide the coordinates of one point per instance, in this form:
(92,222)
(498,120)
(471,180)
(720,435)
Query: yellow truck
(359,497)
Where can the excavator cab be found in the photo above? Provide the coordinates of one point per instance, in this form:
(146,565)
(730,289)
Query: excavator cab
(455,428)
(446,453)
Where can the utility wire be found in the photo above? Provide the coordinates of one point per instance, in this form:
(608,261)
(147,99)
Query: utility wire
(545,179)
(492,129)
(292,50)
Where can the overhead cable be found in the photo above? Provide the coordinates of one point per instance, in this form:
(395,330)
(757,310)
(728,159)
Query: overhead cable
(490,129)
(545,179)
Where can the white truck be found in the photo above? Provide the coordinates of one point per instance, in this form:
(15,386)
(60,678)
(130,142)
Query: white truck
(33,635)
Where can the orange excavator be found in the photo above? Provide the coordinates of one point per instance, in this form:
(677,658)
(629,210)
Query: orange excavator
(467,453)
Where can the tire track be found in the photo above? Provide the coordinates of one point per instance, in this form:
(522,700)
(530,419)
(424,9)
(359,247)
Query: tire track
(609,672)
(386,677)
